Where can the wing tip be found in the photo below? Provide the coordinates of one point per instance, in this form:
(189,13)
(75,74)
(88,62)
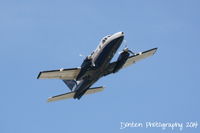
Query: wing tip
(39,75)
(49,99)
(155,49)
(152,49)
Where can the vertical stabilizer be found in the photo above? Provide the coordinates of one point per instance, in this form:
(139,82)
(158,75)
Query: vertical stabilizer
(70,83)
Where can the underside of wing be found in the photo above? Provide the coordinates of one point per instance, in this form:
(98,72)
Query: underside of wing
(139,56)
(66,74)
(131,60)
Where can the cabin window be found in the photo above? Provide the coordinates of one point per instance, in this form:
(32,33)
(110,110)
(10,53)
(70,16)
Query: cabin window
(103,41)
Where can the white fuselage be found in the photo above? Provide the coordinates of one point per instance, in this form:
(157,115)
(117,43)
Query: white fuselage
(103,43)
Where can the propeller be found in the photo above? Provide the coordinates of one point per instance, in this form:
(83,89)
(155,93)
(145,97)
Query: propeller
(128,50)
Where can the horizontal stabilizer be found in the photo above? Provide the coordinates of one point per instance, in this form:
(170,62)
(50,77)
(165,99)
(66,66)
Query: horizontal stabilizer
(71,94)
(66,74)
(94,90)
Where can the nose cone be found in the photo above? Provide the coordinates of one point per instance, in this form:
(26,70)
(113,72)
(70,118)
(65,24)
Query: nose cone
(121,34)
(118,34)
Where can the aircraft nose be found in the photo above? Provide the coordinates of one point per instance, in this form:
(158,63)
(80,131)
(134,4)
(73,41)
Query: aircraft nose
(122,33)
(118,34)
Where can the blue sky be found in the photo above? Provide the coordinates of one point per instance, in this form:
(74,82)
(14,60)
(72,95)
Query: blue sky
(39,35)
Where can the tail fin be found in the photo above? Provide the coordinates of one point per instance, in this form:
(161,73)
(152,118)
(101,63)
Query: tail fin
(70,83)
(71,94)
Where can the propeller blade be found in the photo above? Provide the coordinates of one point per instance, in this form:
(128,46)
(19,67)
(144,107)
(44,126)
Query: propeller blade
(131,52)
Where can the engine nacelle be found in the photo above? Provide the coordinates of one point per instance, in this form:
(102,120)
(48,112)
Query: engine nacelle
(87,62)
(121,61)
(84,67)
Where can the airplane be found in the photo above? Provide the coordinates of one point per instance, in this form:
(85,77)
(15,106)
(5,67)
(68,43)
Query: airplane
(96,65)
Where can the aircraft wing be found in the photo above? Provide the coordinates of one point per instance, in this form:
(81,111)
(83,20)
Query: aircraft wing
(65,74)
(131,60)
(71,94)
(139,56)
